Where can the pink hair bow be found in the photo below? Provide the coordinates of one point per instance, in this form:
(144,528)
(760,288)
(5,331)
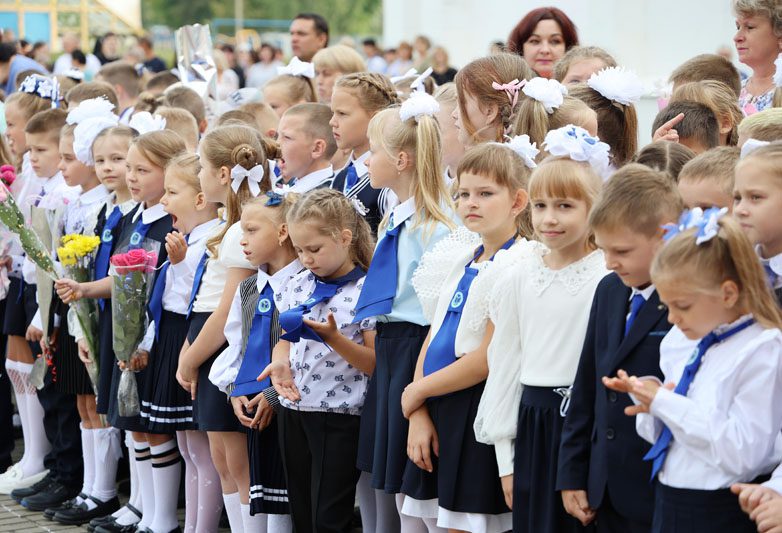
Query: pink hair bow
(511,88)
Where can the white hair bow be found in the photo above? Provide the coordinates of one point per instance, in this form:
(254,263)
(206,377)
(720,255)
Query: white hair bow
(419,103)
(618,85)
(48,88)
(550,93)
(524,148)
(750,145)
(359,206)
(418,83)
(576,143)
(409,74)
(92,108)
(778,72)
(143,122)
(253,176)
(85,133)
(297,67)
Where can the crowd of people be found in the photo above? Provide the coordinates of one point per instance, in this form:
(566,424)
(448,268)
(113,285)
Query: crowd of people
(471,305)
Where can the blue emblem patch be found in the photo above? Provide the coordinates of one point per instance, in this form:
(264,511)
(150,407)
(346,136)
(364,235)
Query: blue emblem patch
(457,300)
(264,305)
(135,239)
(107,236)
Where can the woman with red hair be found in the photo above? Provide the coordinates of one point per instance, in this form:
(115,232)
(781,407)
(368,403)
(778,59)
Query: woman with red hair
(542,37)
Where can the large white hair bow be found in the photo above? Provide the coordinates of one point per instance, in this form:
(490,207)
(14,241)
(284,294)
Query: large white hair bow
(550,93)
(48,88)
(297,67)
(576,143)
(778,72)
(143,122)
(409,74)
(253,176)
(85,133)
(526,150)
(94,107)
(618,85)
(418,83)
(419,103)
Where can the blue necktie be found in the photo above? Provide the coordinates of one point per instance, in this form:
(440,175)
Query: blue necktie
(636,302)
(377,296)
(771,276)
(139,232)
(660,449)
(104,250)
(257,354)
(292,320)
(442,348)
(156,299)
(351,178)
(277,171)
(197,278)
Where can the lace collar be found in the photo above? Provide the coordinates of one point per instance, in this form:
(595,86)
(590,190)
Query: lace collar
(573,277)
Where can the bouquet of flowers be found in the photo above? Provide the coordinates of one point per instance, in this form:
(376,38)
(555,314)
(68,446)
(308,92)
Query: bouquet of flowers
(12,218)
(76,256)
(132,279)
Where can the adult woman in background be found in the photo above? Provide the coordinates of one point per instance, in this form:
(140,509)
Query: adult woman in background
(542,37)
(758,42)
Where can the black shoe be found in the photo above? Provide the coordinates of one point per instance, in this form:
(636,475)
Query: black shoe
(103,520)
(79,514)
(50,512)
(114,527)
(55,494)
(147,530)
(20,494)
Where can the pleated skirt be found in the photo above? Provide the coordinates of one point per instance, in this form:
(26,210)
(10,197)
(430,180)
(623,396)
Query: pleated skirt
(69,374)
(268,490)
(698,511)
(16,321)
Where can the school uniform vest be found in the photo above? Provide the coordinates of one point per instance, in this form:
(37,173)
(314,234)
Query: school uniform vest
(363,191)
(248,293)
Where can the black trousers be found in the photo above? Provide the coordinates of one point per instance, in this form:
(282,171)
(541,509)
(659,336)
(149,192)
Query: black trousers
(6,408)
(610,521)
(61,424)
(319,455)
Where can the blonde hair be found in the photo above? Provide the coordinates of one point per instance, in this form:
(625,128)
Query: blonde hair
(264,115)
(727,256)
(159,147)
(28,104)
(533,120)
(763,126)
(446,94)
(421,140)
(373,91)
(333,213)
(577,54)
(561,177)
(506,168)
(123,74)
(316,124)
(476,79)
(666,156)
(572,111)
(617,123)
(295,88)
(716,96)
(89,90)
(228,146)
(341,58)
(182,122)
(717,164)
(638,198)
(769,157)
(118,131)
(708,67)
(770,9)
(185,167)
(148,102)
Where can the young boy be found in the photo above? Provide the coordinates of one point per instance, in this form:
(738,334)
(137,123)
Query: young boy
(307,145)
(708,67)
(267,119)
(183,123)
(126,82)
(90,90)
(763,126)
(186,98)
(699,130)
(707,180)
(602,474)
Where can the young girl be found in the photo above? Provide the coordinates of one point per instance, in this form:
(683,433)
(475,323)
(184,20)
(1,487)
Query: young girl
(460,490)
(356,99)
(612,92)
(580,62)
(488,93)
(234,168)
(322,363)
(717,419)
(332,62)
(532,360)
(165,406)
(293,85)
(252,330)
(405,144)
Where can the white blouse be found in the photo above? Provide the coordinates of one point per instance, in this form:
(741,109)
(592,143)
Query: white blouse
(326,381)
(229,255)
(727,428)
(226,367)
(82,214)
(540,317)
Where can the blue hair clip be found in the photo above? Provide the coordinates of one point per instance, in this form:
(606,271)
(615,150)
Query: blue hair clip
(274,199)
(706,222)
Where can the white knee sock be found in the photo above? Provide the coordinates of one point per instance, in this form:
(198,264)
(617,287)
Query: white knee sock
(366,503)
(146,484)
(234,511)
(88,453)
(123,513)
(39,445)
(255,523)
(166,472)
(108,450)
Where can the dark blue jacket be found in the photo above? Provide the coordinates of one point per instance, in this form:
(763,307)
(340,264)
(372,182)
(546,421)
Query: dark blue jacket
(600,450)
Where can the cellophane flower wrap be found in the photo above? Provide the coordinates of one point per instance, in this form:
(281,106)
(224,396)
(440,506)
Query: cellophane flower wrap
(132,275)
(77,255)
(13,219)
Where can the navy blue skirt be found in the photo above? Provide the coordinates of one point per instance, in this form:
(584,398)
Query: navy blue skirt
(107,359)
(128,423)
(212,411)
(383,437)
(268,489)
(536,502)
(30,307)
(698,511)
(465,477)
(69,374)
(165,406)
(16,321)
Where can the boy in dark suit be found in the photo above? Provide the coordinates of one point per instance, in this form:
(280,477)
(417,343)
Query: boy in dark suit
(601,473)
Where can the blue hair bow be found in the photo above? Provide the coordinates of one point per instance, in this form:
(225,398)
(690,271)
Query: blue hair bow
(707,223)
(274,199)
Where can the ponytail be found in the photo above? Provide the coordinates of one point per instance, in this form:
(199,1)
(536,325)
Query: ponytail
(531,119)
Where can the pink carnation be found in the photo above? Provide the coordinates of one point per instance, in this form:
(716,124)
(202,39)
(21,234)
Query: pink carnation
(7,174)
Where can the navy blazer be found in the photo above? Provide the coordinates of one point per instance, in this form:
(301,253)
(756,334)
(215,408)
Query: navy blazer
(371,198)
(600,449)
